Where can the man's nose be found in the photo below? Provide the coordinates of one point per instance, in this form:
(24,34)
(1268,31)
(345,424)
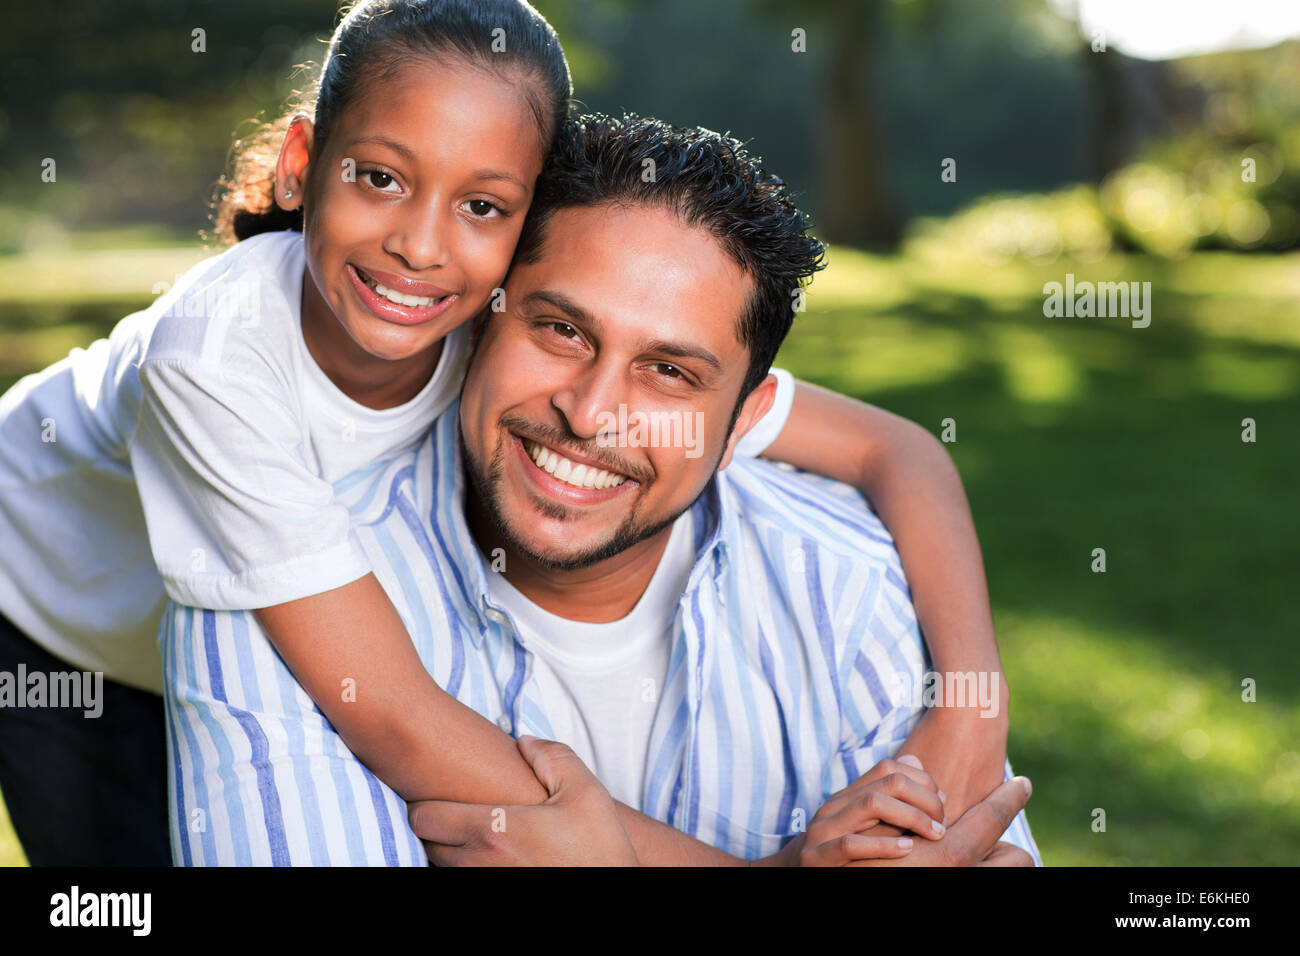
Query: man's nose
(590,400)
(421,238)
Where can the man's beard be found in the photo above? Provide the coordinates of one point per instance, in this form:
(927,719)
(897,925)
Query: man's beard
(487,487)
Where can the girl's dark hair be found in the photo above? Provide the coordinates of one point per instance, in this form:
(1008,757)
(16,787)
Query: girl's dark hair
(373,38)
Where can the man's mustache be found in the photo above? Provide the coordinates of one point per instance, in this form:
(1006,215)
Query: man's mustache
(561,438)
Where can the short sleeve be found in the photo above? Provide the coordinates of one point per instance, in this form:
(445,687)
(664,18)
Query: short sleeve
(237,518)
(769,426)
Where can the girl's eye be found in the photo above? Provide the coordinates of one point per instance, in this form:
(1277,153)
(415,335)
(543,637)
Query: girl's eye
(379,180)
(482,208)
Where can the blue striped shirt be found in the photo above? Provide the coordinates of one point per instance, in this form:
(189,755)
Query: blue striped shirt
(790,646)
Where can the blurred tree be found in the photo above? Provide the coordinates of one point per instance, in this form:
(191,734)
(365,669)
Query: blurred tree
(861,211)
(853,177)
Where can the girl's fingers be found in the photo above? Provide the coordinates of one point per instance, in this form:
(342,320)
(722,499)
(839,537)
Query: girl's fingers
(876,806)
(901,790)
(881,776)
(855,846)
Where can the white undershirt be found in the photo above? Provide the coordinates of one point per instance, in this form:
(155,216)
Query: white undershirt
(602,682)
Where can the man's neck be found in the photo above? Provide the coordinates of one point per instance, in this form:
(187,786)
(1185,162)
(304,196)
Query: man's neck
(605,591)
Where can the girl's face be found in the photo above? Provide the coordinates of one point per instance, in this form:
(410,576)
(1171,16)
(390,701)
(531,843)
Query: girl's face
(414,208)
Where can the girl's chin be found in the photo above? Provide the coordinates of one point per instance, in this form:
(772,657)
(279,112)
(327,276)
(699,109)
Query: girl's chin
(395,344)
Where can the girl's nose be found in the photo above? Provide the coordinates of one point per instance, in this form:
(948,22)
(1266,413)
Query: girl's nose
(421,242)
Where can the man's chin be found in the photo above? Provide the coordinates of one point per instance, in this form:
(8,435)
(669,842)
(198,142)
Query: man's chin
(564,554)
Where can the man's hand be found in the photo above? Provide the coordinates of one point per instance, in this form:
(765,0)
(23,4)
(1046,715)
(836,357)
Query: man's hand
(897,793)
(973,840)
(578,824)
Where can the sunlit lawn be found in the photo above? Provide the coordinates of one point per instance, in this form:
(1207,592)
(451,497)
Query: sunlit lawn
(1075,434)
(1072,434)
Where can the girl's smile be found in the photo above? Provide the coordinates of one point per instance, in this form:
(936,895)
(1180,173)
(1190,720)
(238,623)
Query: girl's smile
(395,298)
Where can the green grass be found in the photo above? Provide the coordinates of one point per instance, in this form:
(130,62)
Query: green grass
(1072,434)
(1075,434)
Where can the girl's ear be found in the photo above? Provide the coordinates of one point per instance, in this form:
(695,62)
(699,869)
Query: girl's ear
(291,167)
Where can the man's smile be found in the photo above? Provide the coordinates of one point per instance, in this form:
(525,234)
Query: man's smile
(568,476)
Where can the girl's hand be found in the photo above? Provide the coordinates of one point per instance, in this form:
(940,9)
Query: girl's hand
(894,792)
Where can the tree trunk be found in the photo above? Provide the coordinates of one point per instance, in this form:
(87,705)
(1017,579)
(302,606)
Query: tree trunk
(854,195)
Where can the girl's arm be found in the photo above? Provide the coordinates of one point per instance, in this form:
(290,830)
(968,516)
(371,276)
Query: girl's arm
(914,486)
(350,651)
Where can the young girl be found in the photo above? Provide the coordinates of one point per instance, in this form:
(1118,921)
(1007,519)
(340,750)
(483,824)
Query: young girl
(192,453)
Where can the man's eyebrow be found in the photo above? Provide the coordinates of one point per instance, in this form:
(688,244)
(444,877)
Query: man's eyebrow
(562,302)
(660,346)
(677,350)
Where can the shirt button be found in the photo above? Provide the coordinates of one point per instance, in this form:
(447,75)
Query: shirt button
(504,722)
(494,615)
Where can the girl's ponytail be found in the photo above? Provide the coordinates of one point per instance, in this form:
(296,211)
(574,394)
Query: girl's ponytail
(372,36)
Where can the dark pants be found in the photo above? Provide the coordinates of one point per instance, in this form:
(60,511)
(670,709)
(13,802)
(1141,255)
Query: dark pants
(83,791)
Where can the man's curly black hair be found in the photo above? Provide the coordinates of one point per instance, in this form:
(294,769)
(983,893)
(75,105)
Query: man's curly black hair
(712,182)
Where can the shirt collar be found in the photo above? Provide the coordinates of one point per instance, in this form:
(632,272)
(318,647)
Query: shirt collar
(444,481)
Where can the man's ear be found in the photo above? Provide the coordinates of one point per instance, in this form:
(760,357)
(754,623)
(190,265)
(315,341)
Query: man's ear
(291,166)
(754,407)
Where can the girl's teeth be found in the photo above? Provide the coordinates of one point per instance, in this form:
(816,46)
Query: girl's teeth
(580,476)
(398,298)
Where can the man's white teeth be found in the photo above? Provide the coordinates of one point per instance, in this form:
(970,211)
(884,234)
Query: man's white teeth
(400,298)
(580,476)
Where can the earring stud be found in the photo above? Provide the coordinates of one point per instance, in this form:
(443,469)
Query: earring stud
(288,194)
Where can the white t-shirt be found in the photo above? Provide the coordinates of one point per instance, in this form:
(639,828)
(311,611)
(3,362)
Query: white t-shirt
(602,682)
(193,452)
(207,407)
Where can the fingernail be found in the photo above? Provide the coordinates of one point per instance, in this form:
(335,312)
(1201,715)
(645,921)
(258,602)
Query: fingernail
(911,760)
(904,843)
(942,798)
(524,738)
(1029,787)
(937,827)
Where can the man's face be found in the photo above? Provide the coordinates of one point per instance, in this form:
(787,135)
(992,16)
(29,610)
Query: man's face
(598,403)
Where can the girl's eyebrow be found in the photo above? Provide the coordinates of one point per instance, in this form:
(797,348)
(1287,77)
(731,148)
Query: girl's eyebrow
(407,153)
(500,175)
(403,151)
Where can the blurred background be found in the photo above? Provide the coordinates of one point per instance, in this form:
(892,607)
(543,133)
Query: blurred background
(957,155)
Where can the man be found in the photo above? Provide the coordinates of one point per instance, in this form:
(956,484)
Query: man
(723,646)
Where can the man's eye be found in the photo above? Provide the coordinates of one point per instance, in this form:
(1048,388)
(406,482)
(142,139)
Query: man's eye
(564,329)
(483,208)
(667,370)
(378,179)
